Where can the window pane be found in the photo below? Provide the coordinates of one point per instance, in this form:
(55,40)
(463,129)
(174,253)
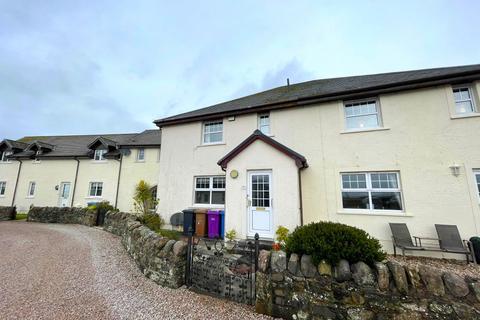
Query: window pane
(387,200)
(384,181)
(219,183)
(202,197)
(355,200)
(99,189)
(218,197)
(354,181)
(3,186)
(203,183)
(478,182)
(464,107)
(360,122)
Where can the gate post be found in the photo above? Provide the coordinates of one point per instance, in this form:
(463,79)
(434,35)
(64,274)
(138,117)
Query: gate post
(188,267)
(257,237)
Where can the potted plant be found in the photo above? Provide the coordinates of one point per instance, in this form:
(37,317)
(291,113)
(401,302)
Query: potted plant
(231,242)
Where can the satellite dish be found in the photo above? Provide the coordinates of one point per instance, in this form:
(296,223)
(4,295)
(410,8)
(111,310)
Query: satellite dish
(126,152)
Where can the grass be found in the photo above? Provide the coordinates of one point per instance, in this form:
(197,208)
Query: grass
(170,234)
(21,216)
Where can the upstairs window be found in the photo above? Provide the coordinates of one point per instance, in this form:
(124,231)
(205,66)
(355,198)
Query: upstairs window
(141,154)
(3,187)
(464,102)
(96,189)
(371,191)
(4,156)
(213,132)
(210,190)
(32,186)
(362,115)
(264,123)
(477,181)
(99,155)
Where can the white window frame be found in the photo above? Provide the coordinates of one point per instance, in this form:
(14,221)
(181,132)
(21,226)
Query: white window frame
(476,173)
(204,134)
(209,189)
(472,98)
(96,184)
(378,113)
(260,125)
(32,185)
(100,154)
(3,188)
(369,189)
(4,156)
(141,151)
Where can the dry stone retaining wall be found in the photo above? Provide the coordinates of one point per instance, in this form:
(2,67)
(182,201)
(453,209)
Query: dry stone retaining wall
(65,215)
(7,213)
(295,288)
(159,258)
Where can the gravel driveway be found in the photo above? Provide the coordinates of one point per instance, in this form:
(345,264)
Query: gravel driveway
(52,271)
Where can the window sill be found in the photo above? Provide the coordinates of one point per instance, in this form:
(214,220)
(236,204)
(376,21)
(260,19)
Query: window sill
(5,162)
(30,197)
(364,130)
(376,213)
(140,161)
(2,196)
(208,206)
(93,198)
(463,116)
(212,144)
(99,161)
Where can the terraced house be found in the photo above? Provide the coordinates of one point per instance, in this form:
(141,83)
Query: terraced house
(363,150)
(77,170)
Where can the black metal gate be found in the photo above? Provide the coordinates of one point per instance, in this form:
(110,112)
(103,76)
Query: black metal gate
(225,270)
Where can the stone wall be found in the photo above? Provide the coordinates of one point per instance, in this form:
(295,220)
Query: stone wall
(8,213)
(159,258)
(65,215)
(295,288)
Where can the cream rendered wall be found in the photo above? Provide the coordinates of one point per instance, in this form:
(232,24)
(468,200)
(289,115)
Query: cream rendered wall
(421,141)
(284,188)
(8,173)
(105,171)
(421,138)
(46,174)
(133,171)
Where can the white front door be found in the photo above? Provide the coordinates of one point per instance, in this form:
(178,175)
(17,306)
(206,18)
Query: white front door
(64,194)
(260,213)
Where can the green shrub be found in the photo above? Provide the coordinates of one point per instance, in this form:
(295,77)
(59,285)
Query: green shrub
(103,207)
(333,242)
(152,221)
(282,235)
(231,235)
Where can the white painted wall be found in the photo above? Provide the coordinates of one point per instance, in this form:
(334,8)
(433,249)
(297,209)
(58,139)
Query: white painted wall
(422,138)
(284,188)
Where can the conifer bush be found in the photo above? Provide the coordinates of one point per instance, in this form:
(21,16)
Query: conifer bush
(332,242)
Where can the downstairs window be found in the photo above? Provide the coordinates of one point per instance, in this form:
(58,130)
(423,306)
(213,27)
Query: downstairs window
(210,190)
(372,191)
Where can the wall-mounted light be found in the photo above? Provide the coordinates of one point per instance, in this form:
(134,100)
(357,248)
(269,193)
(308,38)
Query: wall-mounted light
(455,169)
(56,187)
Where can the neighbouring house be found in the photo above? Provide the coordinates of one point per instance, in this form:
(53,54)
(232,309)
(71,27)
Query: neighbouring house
(362,150)
(77,170)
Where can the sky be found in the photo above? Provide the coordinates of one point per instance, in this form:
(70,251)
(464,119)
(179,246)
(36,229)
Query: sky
(92,67)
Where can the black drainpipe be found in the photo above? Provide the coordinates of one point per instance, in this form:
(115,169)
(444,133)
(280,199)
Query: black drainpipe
(118,180)
(16,183)
(75,182)
(300,195)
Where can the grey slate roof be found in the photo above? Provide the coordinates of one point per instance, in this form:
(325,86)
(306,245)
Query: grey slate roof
(77,145)
(14,144)
(323,88)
